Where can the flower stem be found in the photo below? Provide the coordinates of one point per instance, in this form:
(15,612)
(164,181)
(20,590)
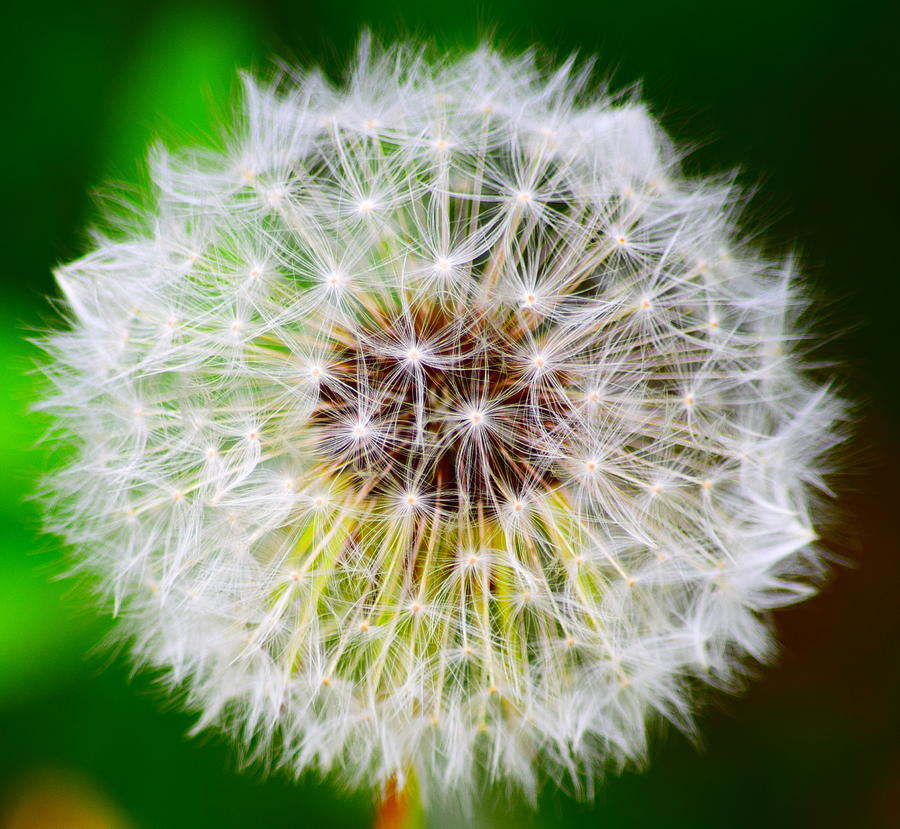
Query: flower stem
(400,808)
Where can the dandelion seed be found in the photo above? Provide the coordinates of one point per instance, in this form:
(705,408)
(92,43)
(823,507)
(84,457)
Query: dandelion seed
(468,525)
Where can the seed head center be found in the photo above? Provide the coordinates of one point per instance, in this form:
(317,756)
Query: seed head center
(460,424)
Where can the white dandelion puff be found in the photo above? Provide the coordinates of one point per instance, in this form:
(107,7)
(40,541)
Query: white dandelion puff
(438,425)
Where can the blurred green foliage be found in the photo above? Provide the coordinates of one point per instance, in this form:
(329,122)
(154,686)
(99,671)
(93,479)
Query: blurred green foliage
(802,94)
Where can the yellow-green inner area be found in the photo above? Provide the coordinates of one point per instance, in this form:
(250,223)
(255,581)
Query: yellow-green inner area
(466,602)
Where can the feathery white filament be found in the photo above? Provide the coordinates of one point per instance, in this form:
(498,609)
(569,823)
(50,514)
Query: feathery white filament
(438,422)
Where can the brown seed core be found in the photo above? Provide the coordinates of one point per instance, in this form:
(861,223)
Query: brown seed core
(463,422)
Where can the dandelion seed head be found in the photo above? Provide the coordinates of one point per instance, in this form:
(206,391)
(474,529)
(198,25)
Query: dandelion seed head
(438,422)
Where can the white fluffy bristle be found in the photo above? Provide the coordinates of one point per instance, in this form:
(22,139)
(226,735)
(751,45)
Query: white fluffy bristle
(438,424)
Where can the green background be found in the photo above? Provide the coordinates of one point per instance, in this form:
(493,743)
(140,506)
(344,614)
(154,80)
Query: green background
(802,96)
